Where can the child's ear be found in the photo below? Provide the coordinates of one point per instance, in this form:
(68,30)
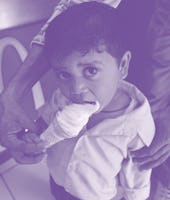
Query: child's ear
(124,64)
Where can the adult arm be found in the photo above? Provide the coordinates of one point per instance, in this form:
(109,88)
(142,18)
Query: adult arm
(14,118)
(159,91)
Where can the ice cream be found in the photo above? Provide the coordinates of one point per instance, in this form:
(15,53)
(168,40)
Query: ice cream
(69,122)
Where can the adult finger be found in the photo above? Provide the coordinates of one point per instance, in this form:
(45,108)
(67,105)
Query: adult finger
(154,156)
(10,141)
(27,146)
(34,148)
(32,138)
(151,150)
(154,163)
(13,137)
(14,117)
(141,153)
(9,132)
(26,158)
(25,122)
(29,159)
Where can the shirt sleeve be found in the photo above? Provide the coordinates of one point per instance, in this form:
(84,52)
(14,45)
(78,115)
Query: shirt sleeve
(101,160)
(135,182)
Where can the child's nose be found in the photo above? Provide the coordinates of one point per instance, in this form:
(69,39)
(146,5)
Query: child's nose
(77,90)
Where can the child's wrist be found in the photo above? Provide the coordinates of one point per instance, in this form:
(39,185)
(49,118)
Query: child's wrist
(51,136)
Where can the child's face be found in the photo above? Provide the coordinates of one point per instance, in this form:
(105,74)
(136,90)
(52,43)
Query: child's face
(89,77)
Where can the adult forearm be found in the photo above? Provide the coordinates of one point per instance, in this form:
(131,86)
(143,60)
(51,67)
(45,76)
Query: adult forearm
(159,45)
(158,87)
(13,118)
(27,75)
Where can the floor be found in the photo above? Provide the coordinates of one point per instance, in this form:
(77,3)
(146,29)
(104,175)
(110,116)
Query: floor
(24,182)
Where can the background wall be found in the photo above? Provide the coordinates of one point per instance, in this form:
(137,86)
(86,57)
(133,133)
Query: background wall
(15,13)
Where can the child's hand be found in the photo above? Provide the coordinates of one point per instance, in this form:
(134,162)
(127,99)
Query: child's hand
(68,123)
(65,118)
(74,117)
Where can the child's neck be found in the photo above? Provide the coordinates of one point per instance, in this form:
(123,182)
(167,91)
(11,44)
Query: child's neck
(118,103)
(116,108)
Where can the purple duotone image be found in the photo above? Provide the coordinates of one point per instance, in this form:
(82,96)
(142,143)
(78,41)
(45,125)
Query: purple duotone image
(100,115)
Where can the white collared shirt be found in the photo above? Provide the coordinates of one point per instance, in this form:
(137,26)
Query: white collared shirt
(59,8)
(93,165)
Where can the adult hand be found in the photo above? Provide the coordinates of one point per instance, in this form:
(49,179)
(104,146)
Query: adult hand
(159,151)
(32,152)
(14,120)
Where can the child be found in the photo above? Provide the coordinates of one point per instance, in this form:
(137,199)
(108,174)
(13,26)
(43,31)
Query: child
(90,160)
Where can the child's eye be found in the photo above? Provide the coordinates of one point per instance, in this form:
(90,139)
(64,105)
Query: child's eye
(90,71)
(63,75)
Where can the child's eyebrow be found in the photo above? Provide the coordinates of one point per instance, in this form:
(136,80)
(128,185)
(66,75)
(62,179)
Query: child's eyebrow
(80,65)
(58,68)
(85,64)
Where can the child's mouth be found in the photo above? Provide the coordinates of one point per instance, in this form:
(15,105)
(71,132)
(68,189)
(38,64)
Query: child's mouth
(90,102)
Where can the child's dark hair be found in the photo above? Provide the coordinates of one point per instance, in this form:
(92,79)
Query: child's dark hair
(83,27)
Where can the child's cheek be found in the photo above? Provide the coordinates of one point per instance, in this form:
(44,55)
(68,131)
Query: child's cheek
(65,90)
